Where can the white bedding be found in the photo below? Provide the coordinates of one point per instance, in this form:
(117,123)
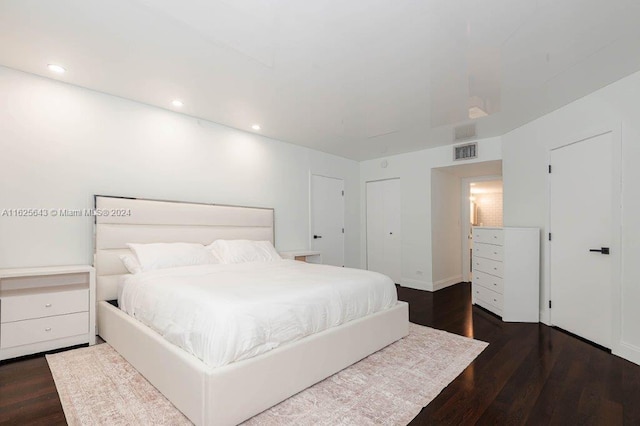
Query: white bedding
(226,313)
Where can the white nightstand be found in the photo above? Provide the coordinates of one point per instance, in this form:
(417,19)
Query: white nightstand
(46,308)
(310,256)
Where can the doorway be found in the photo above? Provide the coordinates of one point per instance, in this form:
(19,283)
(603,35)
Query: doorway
(483,207)
(451,217)
(327,218)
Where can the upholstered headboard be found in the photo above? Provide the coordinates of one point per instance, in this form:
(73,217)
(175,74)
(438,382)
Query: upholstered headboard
(125,220)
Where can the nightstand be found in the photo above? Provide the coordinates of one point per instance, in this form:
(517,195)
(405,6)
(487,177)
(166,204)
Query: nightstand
(46,308)
(310,256)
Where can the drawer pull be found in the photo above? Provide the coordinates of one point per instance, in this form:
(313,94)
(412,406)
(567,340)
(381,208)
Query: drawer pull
(495,269)
(495,252)
(48,305)
(47,329)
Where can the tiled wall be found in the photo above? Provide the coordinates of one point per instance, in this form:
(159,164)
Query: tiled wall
(489,209)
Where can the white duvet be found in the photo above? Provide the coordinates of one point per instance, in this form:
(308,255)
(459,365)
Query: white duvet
(226,313)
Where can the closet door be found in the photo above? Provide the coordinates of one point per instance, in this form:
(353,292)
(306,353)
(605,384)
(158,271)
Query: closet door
(392,229)
(383,228)
(375,226)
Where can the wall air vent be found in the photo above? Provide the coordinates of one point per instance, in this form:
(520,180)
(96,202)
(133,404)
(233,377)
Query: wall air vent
(466,151)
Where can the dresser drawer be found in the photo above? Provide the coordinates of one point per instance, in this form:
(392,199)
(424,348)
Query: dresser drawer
(488,266)
(488,251)
(487,296)
(25,332)
(488,236)
(30,306)
(488,281)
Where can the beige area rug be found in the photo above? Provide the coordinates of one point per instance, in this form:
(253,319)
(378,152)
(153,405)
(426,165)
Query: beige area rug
(98,387)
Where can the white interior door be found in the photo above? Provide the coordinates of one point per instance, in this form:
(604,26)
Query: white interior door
(392,247)
(327,218)
(383,228)
(375,227)
(581,207)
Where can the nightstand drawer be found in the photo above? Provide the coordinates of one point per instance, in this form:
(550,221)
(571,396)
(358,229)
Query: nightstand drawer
(25,332)
(488,251)
(488,281)
(30,306)
(488,266)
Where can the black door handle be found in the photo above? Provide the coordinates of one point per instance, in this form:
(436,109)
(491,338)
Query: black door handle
(603,250)
(315,237)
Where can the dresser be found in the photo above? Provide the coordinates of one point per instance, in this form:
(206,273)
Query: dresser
(506,272)
(46,308)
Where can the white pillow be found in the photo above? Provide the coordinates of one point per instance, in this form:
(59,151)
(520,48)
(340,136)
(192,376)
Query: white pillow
(170,255)
(131,263)
(241,251)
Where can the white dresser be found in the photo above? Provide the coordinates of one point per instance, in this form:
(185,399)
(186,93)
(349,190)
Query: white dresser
(506,272)
(46,308)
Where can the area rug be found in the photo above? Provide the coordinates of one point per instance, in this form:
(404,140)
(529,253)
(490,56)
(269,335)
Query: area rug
(98,387)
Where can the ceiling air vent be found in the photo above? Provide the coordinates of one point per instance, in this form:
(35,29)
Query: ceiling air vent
(466,151)
(464,132)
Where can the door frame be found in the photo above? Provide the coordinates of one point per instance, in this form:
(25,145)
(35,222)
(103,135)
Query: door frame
(344,212)
(464,216)
(615,129)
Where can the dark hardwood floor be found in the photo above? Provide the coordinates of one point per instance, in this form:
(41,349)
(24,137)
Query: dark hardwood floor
(28,395)
(529,374)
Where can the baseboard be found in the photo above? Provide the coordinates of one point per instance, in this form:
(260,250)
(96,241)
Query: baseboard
(418,285)
(628,351)
(430,286)
(438,285)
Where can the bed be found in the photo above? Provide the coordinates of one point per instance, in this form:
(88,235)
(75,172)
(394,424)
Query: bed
(234,391)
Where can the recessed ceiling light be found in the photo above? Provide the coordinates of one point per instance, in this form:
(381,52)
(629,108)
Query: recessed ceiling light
(177,103)
(256,127)
(56,68)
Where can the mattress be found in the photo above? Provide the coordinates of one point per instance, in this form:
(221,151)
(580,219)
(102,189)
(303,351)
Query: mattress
(227,313)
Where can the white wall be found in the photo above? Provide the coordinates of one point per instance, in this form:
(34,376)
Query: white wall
(61,144)
(489,209)
(446,229)
(414,171)
(525,158)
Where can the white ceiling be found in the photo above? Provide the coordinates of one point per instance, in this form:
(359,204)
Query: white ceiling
(361,78)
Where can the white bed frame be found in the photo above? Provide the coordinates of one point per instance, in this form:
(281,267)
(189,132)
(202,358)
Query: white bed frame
(235,392)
